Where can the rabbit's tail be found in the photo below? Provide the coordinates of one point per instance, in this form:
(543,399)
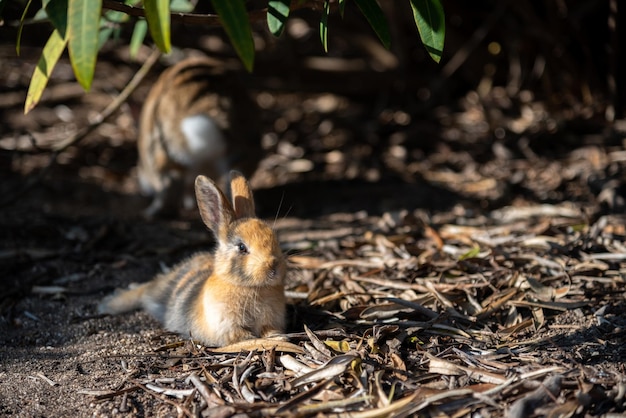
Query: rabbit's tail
(123,301)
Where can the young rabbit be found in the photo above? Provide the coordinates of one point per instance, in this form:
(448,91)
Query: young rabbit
(196,120)
(219,298)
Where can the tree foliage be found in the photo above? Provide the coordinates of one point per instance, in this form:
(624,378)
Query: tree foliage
(84,26)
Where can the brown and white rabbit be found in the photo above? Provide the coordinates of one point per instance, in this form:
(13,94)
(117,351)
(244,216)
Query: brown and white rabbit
(197,119)
(232,294)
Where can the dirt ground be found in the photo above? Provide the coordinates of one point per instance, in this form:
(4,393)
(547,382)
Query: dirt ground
(463,258)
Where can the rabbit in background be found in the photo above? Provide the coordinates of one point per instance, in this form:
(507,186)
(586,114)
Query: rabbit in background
(197,119)
(222,297)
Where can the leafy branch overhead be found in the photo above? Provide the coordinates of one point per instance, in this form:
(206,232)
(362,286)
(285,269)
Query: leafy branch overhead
(83,27)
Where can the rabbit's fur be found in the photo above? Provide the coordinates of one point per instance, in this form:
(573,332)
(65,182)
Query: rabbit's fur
(197,119)
(219,298)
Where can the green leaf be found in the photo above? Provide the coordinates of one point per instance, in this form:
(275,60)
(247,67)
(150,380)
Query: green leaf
(83,20)
(183,6)
(234,18)
(429,18)
(342,7)
(40,16)
(113,16)
(49,57)
(470,254)
(158,17)
(324,25)
(376,18)
(139,34)
(111,24)
(104,35)
(57,13)
(277,14)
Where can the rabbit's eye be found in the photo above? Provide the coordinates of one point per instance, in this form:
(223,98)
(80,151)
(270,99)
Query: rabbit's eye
(242,248)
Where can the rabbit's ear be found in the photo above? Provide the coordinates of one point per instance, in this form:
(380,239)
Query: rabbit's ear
(243,202)
(215,210)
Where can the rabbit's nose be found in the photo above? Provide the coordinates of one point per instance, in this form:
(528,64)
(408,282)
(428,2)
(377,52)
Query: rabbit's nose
(273,268)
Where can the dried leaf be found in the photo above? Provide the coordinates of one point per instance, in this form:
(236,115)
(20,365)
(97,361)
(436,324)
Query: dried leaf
(48,290)
(177,393)
(333,368)
(441,366)
(339,346)
(317,343)
(545,393)
(259,344)
(294,365)
(383,311)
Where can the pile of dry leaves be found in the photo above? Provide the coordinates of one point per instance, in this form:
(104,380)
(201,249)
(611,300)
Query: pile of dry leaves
(515,313)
